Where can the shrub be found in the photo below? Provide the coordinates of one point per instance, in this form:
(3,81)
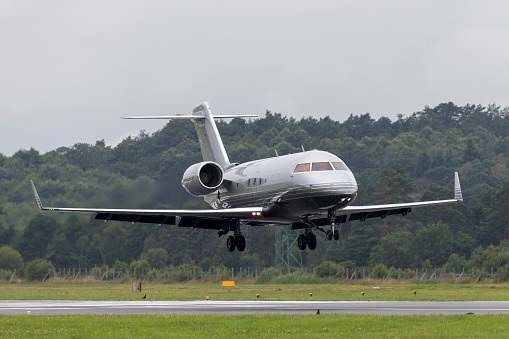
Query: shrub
(379,271)
(120,265)
(267,275)
(328,269)
(298,277)
(37,269)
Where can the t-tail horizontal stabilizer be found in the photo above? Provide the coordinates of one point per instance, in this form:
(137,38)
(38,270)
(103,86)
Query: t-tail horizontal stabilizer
(211,145)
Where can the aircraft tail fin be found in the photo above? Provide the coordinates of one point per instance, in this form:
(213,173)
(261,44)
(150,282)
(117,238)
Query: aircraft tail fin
(211,145)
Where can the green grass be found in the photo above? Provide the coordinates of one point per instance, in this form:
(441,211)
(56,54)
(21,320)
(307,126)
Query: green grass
(199,291)
(266,325)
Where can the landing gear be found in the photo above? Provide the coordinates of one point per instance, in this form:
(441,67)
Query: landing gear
(235,240)
(230,243)
(302,242)
(241,243)
(328,234)
(307,239)
(336,235)
(311,238)
(332,232)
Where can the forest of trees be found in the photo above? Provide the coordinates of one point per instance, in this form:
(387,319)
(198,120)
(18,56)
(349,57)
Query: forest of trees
(411,158)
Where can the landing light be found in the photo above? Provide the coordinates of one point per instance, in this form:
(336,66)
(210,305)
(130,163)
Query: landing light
(343,199)
(256,213)
(349,199)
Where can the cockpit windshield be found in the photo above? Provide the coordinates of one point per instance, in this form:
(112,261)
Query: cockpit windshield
(339,166)
(302,168)
(320,166)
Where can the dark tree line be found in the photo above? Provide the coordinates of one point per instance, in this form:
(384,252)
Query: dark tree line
(410,158)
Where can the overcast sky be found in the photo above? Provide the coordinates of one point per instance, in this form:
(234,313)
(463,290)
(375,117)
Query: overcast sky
(70,69)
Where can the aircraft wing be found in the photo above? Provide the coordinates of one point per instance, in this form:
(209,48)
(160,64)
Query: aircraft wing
(351,213)
(210,219)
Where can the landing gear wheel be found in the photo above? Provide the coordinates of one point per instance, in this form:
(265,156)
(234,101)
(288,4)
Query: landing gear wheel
(241,243)
(311,239)
(230,243)
(336,235)
(328,234)
(302,242)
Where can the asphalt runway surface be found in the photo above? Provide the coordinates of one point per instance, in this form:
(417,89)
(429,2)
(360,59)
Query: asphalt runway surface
(47,307)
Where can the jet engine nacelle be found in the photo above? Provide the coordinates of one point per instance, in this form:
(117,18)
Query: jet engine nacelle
(202,178)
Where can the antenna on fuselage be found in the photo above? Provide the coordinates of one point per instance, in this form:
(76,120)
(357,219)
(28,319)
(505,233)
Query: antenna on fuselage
(303,150)
(277,155)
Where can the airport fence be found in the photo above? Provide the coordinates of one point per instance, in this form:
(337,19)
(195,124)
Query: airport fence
(279,274)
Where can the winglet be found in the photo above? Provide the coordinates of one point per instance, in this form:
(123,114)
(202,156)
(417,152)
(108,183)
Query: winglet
(37,199)
(457,188)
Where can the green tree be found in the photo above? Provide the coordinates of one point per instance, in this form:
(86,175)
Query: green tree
(112,244)
(37,235)
(393,185)
(393,250)
(157,257)
(434,243)
(495,211)
(10,258)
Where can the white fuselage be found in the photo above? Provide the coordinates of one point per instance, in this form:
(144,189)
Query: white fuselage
(275,184)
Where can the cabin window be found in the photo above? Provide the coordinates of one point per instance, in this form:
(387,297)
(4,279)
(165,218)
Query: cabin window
(302,168)
(321,166)
(339,166)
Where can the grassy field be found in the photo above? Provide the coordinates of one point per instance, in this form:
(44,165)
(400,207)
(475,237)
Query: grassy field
(259,325)
(268,325)
(199,291)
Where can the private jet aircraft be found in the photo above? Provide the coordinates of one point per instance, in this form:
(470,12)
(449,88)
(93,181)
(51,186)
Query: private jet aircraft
(310,190)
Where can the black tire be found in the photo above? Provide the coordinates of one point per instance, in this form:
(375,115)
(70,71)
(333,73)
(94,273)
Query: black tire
(311,238)
(230,243)
(241,243)
(301,242)
(328,234)
(336,235)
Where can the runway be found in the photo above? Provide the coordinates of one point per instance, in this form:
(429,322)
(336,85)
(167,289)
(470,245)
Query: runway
(42,307)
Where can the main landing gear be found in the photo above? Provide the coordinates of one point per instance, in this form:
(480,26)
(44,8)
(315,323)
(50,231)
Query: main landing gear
(235,240)
(309,239)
